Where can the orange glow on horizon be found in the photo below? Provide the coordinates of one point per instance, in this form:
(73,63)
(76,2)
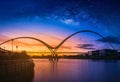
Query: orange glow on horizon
(30,45)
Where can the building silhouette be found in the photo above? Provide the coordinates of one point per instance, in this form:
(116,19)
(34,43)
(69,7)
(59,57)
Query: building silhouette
(104,52)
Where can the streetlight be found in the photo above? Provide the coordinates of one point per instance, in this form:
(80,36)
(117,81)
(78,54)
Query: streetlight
(16,48)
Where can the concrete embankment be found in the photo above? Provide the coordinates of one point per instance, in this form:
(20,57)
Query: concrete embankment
(16,70)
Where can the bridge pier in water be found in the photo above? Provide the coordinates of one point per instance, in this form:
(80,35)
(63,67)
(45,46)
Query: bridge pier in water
(54,56)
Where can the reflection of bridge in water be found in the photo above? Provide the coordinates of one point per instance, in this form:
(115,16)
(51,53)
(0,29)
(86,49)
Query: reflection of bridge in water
(53,50)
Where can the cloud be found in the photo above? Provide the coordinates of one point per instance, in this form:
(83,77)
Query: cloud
(86,46)
(3,38)
(69,21)
(66,47)
(27,43)
(111,39)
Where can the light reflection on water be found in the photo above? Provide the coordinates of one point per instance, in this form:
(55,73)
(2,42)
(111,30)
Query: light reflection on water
(66,70)
(49,53)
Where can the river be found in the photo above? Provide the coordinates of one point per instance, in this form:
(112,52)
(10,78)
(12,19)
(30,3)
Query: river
(65,70)
(76,70)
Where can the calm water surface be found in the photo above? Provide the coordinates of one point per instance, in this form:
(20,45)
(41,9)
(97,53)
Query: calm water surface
(68,70)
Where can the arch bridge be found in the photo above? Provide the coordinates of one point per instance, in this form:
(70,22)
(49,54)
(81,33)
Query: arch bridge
(53,50)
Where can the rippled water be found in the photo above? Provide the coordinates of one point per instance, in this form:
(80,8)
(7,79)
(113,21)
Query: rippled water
(65,70)
(68,70)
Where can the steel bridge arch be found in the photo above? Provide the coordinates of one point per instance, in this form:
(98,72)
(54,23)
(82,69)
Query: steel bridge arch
(82,32)
(48,46)
(54,49)
(53,53)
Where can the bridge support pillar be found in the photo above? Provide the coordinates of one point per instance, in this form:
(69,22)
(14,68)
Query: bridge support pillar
(12,45)
(54,55)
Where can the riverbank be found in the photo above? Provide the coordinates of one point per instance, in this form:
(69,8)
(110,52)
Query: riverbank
(83,57)
(21,70)
(14,55)
(93,57)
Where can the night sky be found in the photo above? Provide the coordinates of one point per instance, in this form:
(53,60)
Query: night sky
(53,20)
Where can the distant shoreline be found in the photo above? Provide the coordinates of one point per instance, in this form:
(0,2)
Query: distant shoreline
(85,57)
